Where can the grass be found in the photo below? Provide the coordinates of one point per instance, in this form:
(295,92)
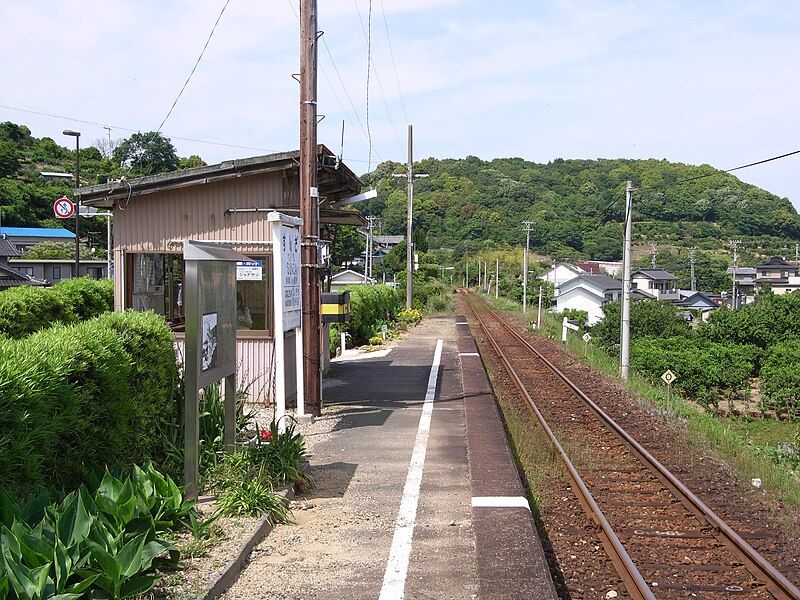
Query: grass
(750,446)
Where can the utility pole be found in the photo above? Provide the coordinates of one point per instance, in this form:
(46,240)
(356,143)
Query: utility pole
(735,247)
(692,261)
(625,334)
(528,225)
(77,136)
(480,271)
(653,254)
(410,221)
(496,278)
(466,274)
(309,207)
(539,314)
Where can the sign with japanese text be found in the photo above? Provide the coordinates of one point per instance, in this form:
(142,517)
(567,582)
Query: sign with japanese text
(290,277)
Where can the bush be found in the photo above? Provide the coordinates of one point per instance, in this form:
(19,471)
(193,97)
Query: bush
(99,392)
(780,377)
(409,316)
(370,306)
(649,318)
(577,315)
(770,320)
(704,369)
(27,309)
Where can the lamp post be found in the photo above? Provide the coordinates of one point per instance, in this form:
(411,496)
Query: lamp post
(77,136)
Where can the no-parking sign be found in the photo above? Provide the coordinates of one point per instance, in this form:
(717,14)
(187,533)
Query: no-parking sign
(64,208)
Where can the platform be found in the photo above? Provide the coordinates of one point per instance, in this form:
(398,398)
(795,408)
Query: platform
(417,495)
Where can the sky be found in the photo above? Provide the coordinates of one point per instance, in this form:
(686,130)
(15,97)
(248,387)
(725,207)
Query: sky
(712,82)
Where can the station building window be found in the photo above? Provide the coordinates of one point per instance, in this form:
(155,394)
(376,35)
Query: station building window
(56,272)
(154,282)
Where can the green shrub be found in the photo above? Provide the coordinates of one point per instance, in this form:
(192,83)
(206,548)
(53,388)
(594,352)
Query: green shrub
(649,318)
(780,377)
(770,320)
(704,369)
(409,316)
(577,315)
(26,309)
(375,340)
(94,393)
(370,305)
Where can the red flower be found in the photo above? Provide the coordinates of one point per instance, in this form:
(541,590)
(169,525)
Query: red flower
(265,435)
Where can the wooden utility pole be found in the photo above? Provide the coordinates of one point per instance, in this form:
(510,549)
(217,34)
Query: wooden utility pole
(625,333)
(309,208)
(410,222)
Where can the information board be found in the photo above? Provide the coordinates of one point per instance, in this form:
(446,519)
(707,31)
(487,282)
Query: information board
(250,270)
(290,277)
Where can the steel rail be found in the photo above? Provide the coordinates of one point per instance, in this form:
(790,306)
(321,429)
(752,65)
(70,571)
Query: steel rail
(623,564)
(777,583)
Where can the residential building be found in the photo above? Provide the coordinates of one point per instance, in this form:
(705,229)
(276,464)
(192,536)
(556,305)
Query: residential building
(559,274)
(9,276)
(656,282)
(701,301)
(745,278)
(600,267)
(53,270)
(782,276)
(589,293)
(348,277)
(24,238)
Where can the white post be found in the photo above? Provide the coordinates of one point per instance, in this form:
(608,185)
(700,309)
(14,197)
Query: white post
(625,334)
(343,337)
(564,331)
(496,278)
(298,360)
(539,314)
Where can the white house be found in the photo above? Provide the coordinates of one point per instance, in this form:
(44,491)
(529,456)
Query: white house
(655,282)
(589,293)
(348,277)
(560,273)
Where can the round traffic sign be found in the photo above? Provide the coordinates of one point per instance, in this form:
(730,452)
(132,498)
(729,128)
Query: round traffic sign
(64,208)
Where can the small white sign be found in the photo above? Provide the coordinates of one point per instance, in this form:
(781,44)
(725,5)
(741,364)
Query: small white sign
(251,270)
(586,337)
(668,377)
(570,325)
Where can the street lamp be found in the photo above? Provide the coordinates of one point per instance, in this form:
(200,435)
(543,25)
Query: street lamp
(77,136)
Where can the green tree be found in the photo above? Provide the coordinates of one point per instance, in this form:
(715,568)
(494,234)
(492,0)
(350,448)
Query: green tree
(649,318)
(146,154)
(9,159)
(190,162)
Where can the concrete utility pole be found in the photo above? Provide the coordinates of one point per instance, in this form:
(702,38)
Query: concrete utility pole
(539,313)
(309,208)
(625,334)
(653,254)
(528,225)
(692,261)
(77,136)
(735,247)
(496,278)
(466,274)
(410,221)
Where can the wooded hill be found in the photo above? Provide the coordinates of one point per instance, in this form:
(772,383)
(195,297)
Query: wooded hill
(577,206)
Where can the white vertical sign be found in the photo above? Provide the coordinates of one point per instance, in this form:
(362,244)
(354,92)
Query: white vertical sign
(290,277)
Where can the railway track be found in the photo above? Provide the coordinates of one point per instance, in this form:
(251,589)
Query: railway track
(662,540)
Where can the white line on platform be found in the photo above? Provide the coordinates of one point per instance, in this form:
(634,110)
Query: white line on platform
(500,502)
(468,354)
(394,579)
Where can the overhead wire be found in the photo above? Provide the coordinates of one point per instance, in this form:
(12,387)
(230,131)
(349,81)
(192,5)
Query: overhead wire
(194,68)
(394,64)
(377,76)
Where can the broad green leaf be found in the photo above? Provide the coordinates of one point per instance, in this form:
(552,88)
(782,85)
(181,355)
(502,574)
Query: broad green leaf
(39,577)
(110,487)
(111,567)
(20,577)
(8,509)
(74,523)
(9,543)
(87,579)
(64,597)
(130,557)
(138,585)
(63,566)
(33,511)
(152,550)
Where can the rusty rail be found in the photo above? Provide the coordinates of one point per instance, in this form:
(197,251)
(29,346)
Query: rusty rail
(777,584)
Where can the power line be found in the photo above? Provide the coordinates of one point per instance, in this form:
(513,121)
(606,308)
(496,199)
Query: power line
(371,62)
(130,129)
(369,59)
(194,68)
(394,64)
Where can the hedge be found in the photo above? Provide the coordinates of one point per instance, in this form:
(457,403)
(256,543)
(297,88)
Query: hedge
(26,309)
(370,306)
(780,377)
(74,396)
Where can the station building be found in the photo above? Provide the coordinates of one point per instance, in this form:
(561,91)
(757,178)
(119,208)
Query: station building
(226,203)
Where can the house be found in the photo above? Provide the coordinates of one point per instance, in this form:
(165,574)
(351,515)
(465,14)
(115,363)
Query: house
(697,300)
(349,277)
(9,276)
(560,273)
(589,293)
(745,278)
(600,267)
(225,203)
(656,282)
(52,270)
(24,238)
(782,276)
